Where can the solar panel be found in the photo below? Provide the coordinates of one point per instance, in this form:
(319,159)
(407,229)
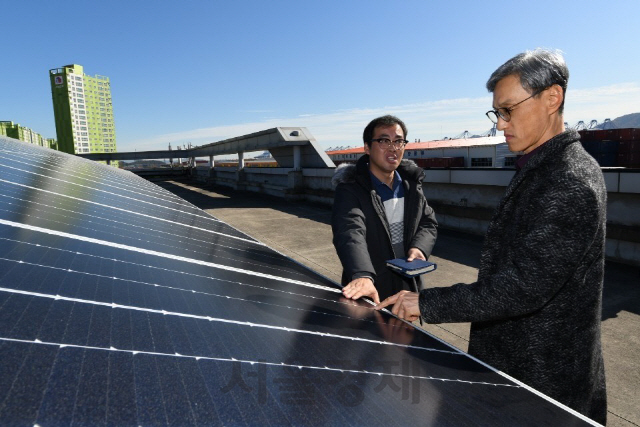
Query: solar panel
(122,304)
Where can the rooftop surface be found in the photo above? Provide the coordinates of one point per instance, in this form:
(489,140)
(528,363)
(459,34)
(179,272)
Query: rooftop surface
(302,231)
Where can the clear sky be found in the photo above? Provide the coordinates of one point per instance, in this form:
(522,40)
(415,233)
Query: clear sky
(202,71)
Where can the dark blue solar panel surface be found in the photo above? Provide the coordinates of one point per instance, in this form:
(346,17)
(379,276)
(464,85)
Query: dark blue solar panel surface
(121,304)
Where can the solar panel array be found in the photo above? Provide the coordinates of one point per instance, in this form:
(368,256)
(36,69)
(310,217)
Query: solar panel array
(121,304)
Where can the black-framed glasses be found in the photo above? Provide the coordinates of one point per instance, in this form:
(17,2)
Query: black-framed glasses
(505,112)
(386,143)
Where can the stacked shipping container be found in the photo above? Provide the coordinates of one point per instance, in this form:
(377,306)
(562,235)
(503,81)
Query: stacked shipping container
(613,147)
(440,162)
(629,150)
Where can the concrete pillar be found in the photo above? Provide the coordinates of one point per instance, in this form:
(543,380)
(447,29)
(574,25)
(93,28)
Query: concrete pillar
(212,171)
(295,187)
(297,158)
(240,175)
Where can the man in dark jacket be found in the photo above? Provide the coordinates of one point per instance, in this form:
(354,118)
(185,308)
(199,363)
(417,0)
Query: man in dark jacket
(536,307)
(380,213)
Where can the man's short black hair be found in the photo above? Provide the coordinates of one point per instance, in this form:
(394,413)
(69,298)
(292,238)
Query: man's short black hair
(383,121)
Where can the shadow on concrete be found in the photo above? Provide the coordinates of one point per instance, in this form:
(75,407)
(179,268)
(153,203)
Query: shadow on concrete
(621,290)
(235,199)
(459,247)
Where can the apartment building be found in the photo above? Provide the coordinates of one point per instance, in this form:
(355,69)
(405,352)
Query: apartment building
(83,111)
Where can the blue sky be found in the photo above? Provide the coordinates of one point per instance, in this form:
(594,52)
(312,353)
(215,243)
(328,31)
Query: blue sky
(202,71)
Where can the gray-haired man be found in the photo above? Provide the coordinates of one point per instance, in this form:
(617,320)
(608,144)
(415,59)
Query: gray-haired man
(536,307)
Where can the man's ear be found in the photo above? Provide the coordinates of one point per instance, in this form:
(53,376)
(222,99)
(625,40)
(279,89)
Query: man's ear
(366,148)
(554,98)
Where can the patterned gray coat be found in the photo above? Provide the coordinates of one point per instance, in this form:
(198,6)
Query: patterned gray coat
(536,307)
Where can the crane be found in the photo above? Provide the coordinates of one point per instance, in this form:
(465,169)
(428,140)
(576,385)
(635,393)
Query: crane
(463,135)
(580,126)
(490,132)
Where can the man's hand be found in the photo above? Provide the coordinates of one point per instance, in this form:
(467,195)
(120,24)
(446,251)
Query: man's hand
(361,287)
(405,305)
(415,253)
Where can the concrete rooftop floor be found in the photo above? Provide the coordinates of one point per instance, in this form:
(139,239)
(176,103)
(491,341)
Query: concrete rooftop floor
(302,231)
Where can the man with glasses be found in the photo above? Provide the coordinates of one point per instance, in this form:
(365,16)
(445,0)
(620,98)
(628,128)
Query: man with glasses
(380,213)
(536,307)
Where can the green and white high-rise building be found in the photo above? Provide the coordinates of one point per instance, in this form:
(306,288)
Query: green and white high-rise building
(83,111)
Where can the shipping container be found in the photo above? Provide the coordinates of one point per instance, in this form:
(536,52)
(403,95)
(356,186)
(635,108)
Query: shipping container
(454,162)
(441,162)
(587,135)
(610,146)
(630,134)
(595,148)
(599,134)
(613,134)
(629,160)
(590,146)
(607,159)
(629,147)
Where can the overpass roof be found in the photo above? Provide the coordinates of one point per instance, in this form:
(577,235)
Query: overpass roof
(278,141)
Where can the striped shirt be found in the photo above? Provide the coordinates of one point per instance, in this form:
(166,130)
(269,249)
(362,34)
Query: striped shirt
(393,201)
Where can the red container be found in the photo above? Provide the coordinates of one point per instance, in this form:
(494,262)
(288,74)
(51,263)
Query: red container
(599,135)
(427,163)
(423,163)
(630,134)
(586,135)
(629,147)
(441,162)
(457,162)
(629,160)
(613,134)
(625,134)
(624,147)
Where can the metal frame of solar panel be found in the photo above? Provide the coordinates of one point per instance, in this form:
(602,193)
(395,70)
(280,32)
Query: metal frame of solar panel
(121,304)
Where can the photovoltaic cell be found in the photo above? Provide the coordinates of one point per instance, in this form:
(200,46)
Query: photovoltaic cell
(122,304)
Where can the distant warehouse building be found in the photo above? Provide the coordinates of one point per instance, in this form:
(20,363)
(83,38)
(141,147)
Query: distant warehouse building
(489,152)
(611,148)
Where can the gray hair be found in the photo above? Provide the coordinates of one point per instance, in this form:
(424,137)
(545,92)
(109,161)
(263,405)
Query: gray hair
(537,69)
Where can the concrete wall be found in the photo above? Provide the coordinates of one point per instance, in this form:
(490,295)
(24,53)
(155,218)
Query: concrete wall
(308,184)
(464,199)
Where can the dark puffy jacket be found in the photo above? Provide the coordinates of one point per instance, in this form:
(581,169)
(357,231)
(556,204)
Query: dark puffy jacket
(361,231)
(536,307)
